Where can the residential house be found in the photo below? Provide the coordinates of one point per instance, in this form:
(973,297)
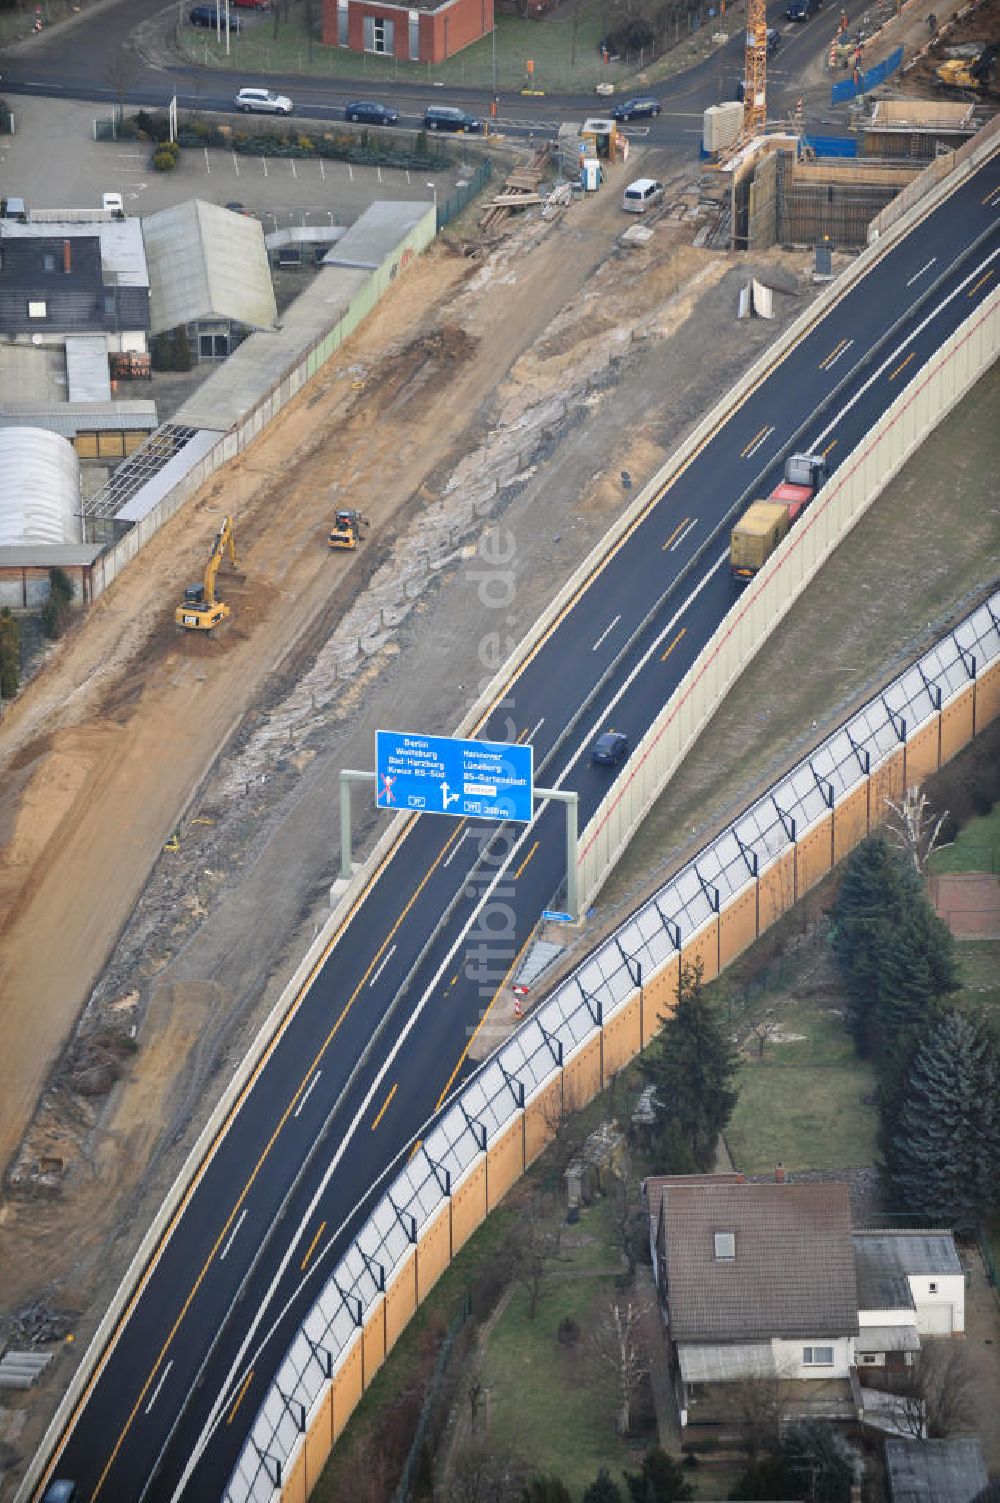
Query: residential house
(910,1284)
(757,1285)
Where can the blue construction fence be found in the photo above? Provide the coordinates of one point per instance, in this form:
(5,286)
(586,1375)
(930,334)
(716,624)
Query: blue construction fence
(863,83)
(831,146)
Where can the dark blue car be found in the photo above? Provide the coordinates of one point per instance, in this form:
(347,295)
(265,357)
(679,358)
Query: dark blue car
(369,112)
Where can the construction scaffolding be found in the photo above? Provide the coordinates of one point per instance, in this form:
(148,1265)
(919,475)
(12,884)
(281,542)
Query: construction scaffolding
(780,200)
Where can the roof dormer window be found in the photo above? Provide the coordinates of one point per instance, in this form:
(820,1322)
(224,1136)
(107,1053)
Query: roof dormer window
(725,1246)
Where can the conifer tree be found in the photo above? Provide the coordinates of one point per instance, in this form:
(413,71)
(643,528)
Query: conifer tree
(944,1158)
(692,1067)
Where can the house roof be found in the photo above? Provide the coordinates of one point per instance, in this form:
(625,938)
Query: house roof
(656,1186)
(888,1339)
(934,1471)
(884,1260)
(65,280)
(206,262)
(792,1273)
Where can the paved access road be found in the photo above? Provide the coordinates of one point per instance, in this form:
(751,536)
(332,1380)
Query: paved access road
(378,1037)
(76,61)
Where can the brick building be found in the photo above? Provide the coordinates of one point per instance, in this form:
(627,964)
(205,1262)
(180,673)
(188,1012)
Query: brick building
(426,33)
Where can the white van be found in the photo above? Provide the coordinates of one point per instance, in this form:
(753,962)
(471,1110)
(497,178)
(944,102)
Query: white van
(642,195)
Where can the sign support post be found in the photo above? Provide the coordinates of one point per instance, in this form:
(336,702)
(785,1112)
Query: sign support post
(348,775)
(571,800)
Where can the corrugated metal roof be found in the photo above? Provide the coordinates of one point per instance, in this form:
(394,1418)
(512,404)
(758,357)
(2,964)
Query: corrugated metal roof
(48,555)
(80,417)
(888,1339)
(792,1273)
(725,1363)
(904,1253)
(143,501)
(87,374)
(207,262)
(376,234)
(39,488)
(236,387)
(935,1471)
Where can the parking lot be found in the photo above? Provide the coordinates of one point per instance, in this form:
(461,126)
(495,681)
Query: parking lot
(54,162)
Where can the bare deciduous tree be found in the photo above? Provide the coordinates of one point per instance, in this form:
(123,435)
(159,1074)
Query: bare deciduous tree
(533,1247)
(120,72)
(561,1115)
(484,1474)
(631,1224)
(616,1344)
(937,1391)
(913,829)
(761,1401)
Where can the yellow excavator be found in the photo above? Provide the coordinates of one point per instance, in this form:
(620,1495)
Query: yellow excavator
(199,610)
(347,529)
(968,74)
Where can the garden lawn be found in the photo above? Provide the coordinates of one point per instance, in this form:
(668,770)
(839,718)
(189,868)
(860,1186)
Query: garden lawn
(979,967)
(547,1402)
(806,1103)
(975,849)
(548,44)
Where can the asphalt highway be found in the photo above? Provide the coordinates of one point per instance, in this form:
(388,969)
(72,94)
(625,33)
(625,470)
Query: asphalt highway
(379,1036)
(75,63)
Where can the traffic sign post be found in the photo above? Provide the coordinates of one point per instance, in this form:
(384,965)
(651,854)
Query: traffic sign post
(446,775)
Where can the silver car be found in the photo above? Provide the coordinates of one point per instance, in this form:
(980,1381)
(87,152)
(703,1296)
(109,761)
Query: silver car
(263,101)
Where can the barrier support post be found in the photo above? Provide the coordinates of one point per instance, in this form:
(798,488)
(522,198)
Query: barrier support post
(348,775)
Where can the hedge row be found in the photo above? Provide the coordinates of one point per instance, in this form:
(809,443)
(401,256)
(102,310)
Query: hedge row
(363,147)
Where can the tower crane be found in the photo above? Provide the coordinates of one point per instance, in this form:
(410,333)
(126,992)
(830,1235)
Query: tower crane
(199,610)
(755,70)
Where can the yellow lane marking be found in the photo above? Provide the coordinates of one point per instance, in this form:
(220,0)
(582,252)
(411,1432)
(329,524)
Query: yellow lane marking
(319,1232)
(831,445)
(459,826)
(911,356)
(416,1147)
(665,655)
(385,1106)
(828,359)
(527,858)
(521,736)
(756,439)
(990,195)
(239,1399)
(472,1037)
(985,278)
(677,530)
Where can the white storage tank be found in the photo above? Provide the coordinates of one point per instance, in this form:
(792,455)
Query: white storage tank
(39,488)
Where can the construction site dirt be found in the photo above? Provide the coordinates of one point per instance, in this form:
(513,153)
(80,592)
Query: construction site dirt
(511,386)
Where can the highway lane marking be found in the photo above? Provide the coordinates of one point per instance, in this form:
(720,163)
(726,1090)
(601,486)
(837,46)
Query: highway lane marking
(673,644)
(814,447)
(385,961)
(286,1114)
(831,445)
(384,1107)
(605,632)
(239,1397)
(430,991)
(885,252)
(986,278)
(156,1390)
(415,1149)
(901,367)
(918,274)
(524,863)
(679,528)
(693,523)
(756,441)
(390,854)
(835,354)
(535,729)
(309,1089)
(522,736)
(993,194)
(232,1234)
(475,834)
(472,1036)
(322,1226)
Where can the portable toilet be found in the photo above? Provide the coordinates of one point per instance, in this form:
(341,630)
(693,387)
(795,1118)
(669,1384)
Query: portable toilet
(590,174)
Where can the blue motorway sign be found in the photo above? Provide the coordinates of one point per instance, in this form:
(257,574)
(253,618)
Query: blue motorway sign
(443,775)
